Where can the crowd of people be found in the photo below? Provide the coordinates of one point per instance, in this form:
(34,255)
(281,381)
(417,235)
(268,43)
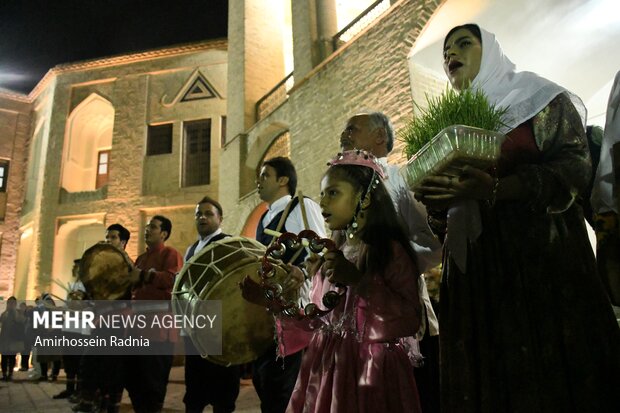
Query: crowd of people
(526,321)
(13,337)
(17,338)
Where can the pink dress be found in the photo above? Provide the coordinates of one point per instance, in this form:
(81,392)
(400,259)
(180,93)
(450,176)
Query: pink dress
(359,357)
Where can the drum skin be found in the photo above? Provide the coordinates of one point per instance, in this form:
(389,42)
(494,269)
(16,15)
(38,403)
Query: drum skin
(214,273)
(105,271)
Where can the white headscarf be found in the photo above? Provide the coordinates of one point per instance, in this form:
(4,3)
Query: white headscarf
(604,191)
(523,93)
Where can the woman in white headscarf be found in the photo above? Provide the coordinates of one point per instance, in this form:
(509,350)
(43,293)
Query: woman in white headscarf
(605,198)
(526,325)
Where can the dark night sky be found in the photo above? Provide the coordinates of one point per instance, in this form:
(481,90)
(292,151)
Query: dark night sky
(36,35)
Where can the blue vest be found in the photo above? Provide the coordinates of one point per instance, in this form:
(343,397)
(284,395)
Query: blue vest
(266,239)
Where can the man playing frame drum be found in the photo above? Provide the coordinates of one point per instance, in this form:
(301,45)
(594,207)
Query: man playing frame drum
(206,382)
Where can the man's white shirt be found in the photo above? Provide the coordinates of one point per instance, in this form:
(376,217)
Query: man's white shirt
(295,223)
(202,242)
(77,286)
(426,246)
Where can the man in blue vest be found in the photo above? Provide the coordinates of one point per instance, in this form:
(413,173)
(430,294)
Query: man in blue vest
(274,379)
(205,382)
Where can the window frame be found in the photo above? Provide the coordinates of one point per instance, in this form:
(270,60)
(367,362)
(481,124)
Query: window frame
(100,181)
(4,165)
(190,160)
(153,148)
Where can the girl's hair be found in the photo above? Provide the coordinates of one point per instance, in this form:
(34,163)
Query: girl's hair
(383,225)
(472,28)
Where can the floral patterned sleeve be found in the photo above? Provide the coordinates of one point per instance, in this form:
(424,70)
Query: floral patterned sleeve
(565,170)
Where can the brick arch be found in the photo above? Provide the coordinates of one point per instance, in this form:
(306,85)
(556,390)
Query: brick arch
(280,146)
(74,235)
(256,153)
(262,144)
(251,222)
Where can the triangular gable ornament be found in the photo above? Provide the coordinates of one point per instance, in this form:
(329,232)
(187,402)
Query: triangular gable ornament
(197,87)
(199,90)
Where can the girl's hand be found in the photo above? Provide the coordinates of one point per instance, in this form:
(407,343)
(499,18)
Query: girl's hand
(313,263)
(339,270)
(252,292)
(440,191)
(295,278)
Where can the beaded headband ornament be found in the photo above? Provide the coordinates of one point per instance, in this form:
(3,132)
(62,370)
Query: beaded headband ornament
(358,157)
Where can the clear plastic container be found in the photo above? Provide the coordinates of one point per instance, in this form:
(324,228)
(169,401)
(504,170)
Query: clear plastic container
(450,150)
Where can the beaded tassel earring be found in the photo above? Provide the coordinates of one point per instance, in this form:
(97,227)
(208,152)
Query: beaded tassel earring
(363,204)
(352,227)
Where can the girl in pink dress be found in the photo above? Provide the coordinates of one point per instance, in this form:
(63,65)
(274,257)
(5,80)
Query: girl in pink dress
(359,357)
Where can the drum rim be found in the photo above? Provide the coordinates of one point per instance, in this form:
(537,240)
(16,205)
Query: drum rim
(181,277)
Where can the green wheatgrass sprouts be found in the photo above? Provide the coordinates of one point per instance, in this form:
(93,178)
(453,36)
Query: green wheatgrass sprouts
(470,108)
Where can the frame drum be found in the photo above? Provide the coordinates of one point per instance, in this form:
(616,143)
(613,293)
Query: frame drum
(104,271)
(213,274)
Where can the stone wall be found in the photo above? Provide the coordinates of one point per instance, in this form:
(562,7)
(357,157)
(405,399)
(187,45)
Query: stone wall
(15,118)
(371,71)
(143,89)
(256,57)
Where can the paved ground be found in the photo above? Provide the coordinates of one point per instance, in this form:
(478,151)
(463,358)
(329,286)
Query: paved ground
(26,396)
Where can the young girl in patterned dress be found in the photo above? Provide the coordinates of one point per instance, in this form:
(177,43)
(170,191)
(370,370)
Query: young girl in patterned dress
(358,356)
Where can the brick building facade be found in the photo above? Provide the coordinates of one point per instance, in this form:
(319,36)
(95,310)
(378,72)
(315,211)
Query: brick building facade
(229,102)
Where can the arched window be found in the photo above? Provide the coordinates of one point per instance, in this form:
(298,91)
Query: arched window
(74,236)
(88,140)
